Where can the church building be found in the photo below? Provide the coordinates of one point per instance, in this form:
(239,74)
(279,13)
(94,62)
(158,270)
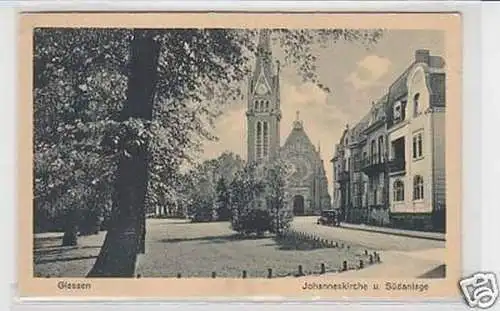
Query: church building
(306,182)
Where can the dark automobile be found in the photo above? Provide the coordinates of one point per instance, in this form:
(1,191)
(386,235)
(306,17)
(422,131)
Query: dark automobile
(329,218)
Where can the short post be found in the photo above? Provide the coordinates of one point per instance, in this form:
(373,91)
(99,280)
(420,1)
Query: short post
(300,270)
(344,266)
(270,273)
(323,269)
(214,275)
(244,274)
(361,264)
(179,275)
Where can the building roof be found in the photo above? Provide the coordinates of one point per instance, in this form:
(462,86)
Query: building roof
(399,88)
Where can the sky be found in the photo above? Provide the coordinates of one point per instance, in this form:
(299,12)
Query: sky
(356,76)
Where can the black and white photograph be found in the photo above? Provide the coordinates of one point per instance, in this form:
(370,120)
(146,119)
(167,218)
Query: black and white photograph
(239,153)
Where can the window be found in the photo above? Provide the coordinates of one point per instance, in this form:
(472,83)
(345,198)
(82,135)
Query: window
(265,142)
(398,191)
(416,108)
(418,188)
(417,146)
(373,151)
(267,105)
(397,111)
(256,105)
(258,141)
(380,149)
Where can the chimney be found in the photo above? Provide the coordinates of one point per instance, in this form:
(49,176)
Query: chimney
(422,56)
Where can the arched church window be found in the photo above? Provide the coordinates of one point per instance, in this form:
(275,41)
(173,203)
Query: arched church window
(258,141)
(265,140)
(256,105)
(267,105)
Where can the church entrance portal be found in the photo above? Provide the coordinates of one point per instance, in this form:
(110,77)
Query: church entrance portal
(298,205)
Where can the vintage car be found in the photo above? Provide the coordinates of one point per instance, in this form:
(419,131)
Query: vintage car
(329,218)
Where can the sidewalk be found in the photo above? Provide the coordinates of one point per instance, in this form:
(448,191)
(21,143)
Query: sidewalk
(398,265)
(407,233)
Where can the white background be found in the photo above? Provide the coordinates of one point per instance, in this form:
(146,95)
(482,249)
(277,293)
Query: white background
(481,138)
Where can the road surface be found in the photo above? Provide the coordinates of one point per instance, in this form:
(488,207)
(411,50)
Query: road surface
(372,240)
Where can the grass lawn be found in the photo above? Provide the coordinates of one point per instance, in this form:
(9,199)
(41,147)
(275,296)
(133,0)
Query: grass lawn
(197,250)
(194,250)
(50,259)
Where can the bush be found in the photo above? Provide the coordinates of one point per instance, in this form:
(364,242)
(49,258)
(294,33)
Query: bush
(255,221)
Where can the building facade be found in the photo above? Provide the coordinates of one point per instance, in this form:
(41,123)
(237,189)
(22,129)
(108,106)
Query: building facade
(399,147)
(306,182)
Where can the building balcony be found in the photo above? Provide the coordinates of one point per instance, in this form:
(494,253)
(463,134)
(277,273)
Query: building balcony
(374,164)
(343,176)
(397,165)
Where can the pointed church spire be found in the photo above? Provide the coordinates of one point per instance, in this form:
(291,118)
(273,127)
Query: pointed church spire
(264,55)
(297,124)
(264,40)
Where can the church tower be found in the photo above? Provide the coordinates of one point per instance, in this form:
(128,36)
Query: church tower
(263,110)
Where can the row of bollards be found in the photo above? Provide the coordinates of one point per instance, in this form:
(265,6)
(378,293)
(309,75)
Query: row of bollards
(372,258)
(300,270)
(316,241)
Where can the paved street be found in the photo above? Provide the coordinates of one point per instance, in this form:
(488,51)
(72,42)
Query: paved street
(374,240)
(402,256)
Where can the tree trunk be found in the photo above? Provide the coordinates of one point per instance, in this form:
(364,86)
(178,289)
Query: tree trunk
(70,237)
(125,238)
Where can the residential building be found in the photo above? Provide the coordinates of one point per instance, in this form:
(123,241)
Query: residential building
(396,175)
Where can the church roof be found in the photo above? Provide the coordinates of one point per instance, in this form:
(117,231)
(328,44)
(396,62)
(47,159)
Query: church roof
(299,135)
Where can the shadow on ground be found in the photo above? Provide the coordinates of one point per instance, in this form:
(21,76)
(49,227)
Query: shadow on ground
(64,259)
(215,239)
(58,250)
(290,244)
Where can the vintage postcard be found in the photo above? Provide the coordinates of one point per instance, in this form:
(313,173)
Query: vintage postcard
(239,155)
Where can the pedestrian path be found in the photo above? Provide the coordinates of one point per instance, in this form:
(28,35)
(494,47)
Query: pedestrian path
(396,264)
(408,233)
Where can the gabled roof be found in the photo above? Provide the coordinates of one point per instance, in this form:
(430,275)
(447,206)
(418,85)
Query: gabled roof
(298,134)
(399,88)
